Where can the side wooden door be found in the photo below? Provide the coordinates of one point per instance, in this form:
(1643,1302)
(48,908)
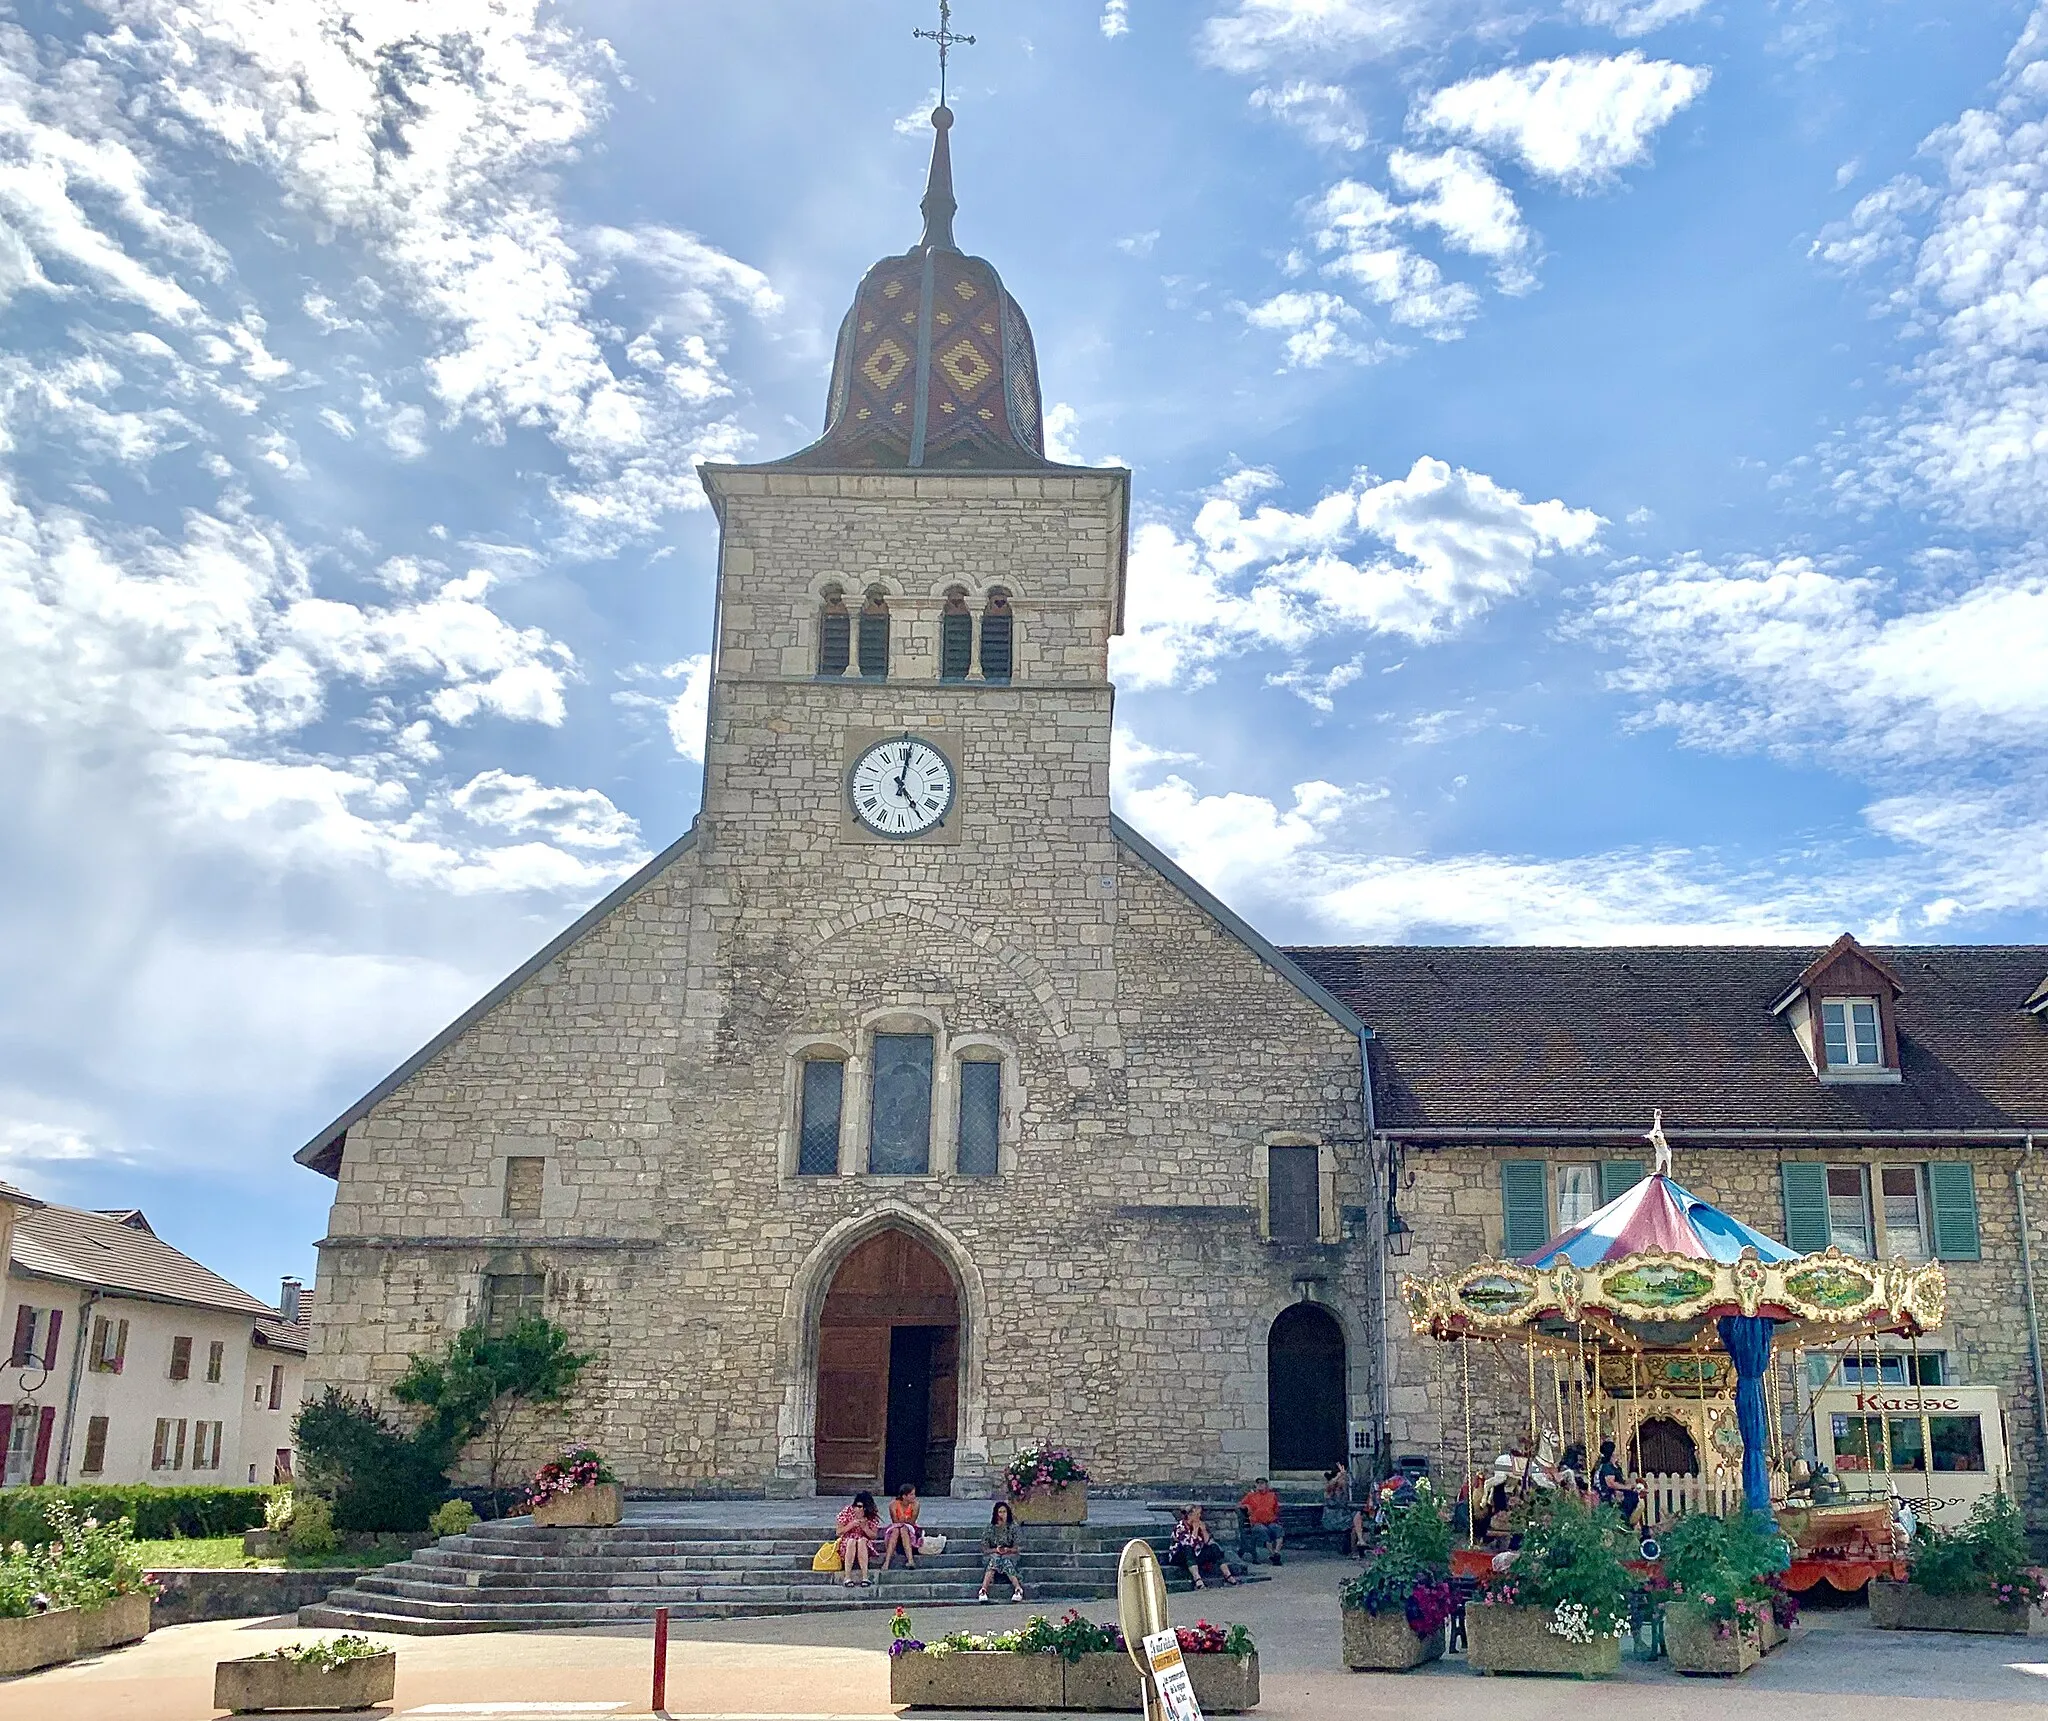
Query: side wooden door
(853,1407)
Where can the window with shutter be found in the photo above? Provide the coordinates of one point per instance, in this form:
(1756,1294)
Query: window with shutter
(981,1116)
(1293,1207)
(216,1354)
(835,633)
(508,1297)
(178,1447)
(1578,1194)
(996,637)
(1618,1177)
(160,1446)
(24,1337)
(900,1116)
(874,636)
(181,1358)
(120,1346)
(1952,1192)
(1805,1188)
(822,1100)
(1524,1206)
(277,1368)
(50,1335)
(956,637)
(525,1177)
(95,1460)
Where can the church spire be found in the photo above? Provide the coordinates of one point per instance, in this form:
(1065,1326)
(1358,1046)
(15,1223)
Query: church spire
(939,205)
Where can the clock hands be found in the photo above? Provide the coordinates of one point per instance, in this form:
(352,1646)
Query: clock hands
(902,787)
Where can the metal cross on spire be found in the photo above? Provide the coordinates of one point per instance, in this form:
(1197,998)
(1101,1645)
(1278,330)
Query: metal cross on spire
(946,39)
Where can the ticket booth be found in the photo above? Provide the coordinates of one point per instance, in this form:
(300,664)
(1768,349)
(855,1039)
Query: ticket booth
(1941,1449)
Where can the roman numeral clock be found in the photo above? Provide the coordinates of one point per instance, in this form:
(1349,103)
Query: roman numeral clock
(900,787)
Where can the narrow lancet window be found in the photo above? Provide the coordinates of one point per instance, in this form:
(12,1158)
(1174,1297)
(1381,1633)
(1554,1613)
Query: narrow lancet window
(956,637)
(900,1136)
(823,1098)
(981,1115)
(874,635)
(995,637)
(835,633)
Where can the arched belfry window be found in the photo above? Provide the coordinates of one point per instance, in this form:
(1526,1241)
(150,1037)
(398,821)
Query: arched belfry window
(995,636)
(956,637)
(874,635)
(835,633)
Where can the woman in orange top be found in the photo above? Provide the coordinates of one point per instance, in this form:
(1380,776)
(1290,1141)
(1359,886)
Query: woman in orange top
(903,1530)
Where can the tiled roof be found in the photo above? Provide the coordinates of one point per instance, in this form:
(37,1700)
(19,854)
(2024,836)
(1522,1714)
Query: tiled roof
(1505,1038)
(20,1197)
(93,1249)
(275,1334)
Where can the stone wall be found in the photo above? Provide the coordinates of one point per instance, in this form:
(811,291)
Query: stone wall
(1115,1286)
(1452,1197)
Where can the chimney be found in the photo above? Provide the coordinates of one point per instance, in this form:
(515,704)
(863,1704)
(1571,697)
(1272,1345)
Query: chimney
(288,1299)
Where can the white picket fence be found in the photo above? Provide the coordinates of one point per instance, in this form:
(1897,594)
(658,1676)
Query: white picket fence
(1668,1497)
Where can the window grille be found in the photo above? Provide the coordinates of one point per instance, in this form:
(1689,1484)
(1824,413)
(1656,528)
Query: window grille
(824,1097)
(981,1117)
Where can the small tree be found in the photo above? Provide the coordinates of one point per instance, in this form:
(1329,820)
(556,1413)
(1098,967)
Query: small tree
(490,1387)
(378,1476)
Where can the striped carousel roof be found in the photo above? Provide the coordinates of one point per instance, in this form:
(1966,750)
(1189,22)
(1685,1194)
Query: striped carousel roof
(1656,1214)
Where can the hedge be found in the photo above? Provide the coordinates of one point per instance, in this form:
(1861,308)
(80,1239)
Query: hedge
(159,1513)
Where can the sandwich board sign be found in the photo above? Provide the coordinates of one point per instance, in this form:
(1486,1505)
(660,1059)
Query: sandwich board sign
(1170,1677)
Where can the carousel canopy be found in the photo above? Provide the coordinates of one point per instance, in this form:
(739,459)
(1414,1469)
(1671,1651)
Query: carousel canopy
(1656,1215)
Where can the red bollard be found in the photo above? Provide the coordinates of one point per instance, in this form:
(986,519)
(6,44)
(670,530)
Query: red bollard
(661,1661)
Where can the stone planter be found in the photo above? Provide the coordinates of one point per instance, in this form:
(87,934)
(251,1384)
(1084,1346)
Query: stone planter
(1068,1505)
(125,1619)
(1224,1684)
(596,1507)
(1906,1607)
(1771,1635)
(265,1544)
(1519,1640)
(263,1682)
(1691,1642)
(976,1679)
(40,1640)
(1384,1643)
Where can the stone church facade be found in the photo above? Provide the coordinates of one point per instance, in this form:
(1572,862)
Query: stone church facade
(911,1108)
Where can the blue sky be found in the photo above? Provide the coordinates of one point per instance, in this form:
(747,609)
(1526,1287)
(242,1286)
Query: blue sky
(1588,461)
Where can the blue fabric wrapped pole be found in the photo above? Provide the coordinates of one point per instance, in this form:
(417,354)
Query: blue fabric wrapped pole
(1747,1340)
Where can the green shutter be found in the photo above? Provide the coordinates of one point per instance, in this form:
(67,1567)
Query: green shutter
(1618,1177)
(1806,1206)
(1524,1206)
(1952,1192)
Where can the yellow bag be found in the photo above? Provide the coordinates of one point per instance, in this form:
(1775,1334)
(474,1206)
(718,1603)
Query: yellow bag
(826,1559)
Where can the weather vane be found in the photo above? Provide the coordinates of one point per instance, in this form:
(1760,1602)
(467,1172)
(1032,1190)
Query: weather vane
(946,40)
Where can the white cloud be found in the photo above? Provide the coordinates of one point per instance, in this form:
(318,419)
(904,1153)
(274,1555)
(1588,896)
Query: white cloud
(1116,18)
(1442,546)
(1577,120)
(1635,17)
(580,818)
(1319,327)
(1454,193)
(1260,34)
(1354,224)
(1323,113)
(689,710)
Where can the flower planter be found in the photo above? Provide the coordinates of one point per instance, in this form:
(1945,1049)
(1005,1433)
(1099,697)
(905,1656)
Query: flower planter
(976,1679)
(40,1640)
(125,1619)
(596,1507)
(1068,1505)
(1907,1607)
(1692,1642)
(1519,1640)
(1385,1643)
(1224,1684)
(263,1682)
(1771,1635)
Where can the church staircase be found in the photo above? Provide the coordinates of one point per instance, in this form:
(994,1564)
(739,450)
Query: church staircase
(511,1576)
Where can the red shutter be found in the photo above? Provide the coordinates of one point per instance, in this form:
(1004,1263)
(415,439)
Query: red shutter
(50,1342)
(24,1329)
(6,1434)
(44,1428)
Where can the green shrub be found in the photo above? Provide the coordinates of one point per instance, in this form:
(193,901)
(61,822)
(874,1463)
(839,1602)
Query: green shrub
(88,1563)
(312,1530)
(1987,1555)
(21,1582)
(277,1515)
(157,1514)
(1722,1567)
(453,1518)
(378,1478)
(1570,1566)
(326,1653)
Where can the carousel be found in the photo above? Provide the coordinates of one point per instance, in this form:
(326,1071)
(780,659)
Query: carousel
(1652,1323)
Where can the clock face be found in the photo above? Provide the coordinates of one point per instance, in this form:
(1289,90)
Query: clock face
(901,787)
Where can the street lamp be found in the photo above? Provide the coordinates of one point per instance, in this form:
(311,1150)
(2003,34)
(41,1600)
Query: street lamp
(1400,1237)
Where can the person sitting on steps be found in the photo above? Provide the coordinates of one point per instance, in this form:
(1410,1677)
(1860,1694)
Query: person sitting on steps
(903,1531)
(1261,1508)
(1195,1551)
(859,1530)
(999,1551)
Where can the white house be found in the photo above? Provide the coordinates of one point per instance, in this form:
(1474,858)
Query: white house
(130,1362)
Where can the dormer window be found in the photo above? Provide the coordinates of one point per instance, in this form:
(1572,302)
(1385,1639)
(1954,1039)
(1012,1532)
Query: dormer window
(1850,1034)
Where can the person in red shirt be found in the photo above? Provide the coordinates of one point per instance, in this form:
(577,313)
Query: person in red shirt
(1261,1508)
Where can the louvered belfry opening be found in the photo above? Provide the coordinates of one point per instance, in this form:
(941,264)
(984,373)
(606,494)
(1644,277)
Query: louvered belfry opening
(874,635)
(835,633)
(956,637)
(996,636)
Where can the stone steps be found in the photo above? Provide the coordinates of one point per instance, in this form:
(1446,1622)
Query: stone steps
(511,1576)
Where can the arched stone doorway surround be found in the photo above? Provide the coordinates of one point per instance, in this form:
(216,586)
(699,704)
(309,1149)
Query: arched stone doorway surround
(797,1345)
(1258,1401)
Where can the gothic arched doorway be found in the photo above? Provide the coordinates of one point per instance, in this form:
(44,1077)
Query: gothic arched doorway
(888,1365)
(1665,1447)
(1305,1393)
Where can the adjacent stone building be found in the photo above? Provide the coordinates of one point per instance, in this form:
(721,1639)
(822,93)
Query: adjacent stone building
(911,1107)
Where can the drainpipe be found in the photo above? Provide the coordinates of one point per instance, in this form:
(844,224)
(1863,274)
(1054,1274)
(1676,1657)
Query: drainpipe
(2019,1190)
(78,1344)
(1383,1198)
